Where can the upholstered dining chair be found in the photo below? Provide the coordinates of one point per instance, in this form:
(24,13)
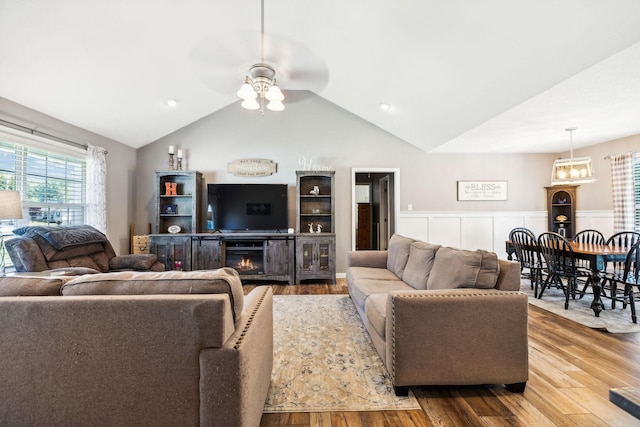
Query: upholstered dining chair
(622,288)
(560,266)
(525,245)
(615,270)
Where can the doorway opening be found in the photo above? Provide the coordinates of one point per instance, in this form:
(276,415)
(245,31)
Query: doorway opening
(375,195)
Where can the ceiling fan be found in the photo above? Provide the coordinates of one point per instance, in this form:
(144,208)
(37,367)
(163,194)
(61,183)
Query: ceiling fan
(223,66)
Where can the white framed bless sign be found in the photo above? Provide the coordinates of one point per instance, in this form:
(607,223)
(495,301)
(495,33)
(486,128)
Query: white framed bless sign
(482,190)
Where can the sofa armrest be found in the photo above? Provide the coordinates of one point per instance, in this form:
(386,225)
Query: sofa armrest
(139,262)
(375,259)
(457,337)
(235,378)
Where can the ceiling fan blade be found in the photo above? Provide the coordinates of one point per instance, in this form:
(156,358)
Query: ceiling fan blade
(223,64)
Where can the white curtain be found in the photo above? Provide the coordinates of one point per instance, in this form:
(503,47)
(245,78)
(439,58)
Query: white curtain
(622,183)
(96,213)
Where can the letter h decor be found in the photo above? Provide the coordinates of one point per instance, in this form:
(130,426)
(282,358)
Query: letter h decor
(171,189)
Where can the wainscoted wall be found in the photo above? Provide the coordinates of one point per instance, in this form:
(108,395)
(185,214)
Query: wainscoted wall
(487,230)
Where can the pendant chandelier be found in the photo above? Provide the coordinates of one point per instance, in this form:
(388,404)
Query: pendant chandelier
(577,170)
(260,83)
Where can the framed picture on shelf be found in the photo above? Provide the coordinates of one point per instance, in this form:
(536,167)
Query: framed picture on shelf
(170,209)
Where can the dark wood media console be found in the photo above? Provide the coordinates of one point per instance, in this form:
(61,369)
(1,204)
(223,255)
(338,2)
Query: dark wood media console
(256,256)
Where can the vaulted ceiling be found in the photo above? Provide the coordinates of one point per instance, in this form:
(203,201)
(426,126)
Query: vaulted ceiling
(459,75)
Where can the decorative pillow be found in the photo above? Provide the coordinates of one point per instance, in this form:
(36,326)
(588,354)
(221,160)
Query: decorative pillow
(489,270)
(64,237)
(32,230)
(418,268)
(459,268)
(398,254)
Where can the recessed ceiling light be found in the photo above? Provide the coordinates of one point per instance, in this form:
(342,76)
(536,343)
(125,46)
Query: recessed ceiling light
(384,106)
(172,103)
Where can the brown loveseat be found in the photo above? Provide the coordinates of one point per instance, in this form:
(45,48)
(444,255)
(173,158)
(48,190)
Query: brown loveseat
(442,316)
(79,247)
(134,348)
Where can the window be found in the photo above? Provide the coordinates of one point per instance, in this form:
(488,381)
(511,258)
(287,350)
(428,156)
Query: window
(636,192)
(52,185)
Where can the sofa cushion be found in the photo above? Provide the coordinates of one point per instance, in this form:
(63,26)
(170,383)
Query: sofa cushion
(361,289)
(222,281)
(398,253)
(97,261)
(357,273)
(15,286)
(376,307)
(52,254)
(460,268)
(419,265)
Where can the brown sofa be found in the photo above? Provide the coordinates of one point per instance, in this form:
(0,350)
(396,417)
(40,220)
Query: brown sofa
(442,316)
(134,348)
(79,249)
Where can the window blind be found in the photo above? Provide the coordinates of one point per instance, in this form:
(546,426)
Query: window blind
(52,184)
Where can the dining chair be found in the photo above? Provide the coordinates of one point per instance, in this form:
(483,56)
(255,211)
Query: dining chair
(592,237)
(560,266)
(615,270)
(525,245)
(629,280)
(589,237)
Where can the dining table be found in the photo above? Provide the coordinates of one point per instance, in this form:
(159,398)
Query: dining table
(597,256)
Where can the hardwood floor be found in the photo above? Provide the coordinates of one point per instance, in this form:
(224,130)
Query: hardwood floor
(571,369)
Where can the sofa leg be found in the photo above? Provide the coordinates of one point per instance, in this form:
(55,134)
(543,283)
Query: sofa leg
(401,391)
(516,387)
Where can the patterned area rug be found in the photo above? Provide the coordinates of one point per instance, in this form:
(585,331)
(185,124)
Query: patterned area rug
(615,321)
(324,359)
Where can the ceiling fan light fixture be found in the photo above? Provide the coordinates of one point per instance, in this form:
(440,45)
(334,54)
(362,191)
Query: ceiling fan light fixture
(274,93)
(275,106)
(246,91)
(250,104)
(260,82)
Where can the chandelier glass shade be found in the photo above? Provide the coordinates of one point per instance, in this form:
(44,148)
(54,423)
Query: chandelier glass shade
(577,170)
(260,86)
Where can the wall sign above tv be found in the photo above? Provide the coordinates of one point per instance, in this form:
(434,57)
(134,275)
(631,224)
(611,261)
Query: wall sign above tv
(252,167)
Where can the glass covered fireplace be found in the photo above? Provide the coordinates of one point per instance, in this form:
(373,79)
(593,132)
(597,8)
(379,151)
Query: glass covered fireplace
(247,257)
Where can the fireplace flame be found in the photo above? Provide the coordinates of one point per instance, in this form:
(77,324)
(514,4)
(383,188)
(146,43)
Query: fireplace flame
(245,264)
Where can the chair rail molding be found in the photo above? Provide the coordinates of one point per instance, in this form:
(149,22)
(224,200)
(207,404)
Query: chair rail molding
(487,230)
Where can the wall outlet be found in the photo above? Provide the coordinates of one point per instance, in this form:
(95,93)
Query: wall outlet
(410,207)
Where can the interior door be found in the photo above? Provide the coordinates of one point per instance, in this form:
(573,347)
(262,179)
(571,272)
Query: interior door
(383,218)
(384,215)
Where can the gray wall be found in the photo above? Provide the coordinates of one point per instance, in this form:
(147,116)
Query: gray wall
(597,195)
(121,166)
(314,127)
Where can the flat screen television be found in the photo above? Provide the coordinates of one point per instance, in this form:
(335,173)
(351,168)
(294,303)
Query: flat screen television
(247,207)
